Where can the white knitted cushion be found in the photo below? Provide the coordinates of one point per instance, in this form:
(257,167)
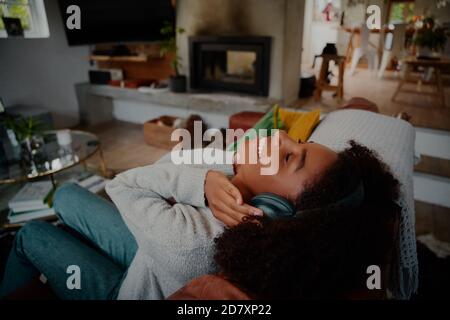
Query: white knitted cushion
(393,140)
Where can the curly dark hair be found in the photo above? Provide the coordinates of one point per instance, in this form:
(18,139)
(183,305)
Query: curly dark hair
(319,253)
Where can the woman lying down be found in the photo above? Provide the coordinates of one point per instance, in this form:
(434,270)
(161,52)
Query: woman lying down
(176,223)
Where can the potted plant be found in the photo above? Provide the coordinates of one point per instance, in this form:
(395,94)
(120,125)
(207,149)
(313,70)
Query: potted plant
(177,82)
(430,40)
(28,133)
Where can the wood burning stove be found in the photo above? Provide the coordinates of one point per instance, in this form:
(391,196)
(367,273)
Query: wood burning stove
(237,64)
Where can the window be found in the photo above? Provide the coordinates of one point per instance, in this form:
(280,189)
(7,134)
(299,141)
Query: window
(31,14)
(401,11)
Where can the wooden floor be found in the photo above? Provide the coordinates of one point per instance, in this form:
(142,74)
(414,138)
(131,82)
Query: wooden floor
(124,147)
(425,110)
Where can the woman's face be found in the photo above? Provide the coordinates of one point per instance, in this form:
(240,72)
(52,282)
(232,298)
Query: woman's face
(298,165)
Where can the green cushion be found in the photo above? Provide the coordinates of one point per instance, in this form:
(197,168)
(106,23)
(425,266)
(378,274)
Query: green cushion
(266,122)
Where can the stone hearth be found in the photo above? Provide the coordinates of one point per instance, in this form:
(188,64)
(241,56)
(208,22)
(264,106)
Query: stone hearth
(102,103)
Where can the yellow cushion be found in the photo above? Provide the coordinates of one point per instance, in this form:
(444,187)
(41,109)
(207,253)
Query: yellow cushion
(299,125)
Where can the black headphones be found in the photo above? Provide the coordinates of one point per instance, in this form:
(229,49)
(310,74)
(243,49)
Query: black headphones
(277,207)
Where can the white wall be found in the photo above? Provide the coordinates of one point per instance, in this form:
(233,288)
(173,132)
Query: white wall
(429,188)
(355,15)
(316,35)
(432,189)
(433,143)
(42,72)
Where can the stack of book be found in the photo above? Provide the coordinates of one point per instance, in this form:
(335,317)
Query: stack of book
(33,201)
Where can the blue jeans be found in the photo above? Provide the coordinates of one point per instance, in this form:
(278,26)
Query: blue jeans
(103,257)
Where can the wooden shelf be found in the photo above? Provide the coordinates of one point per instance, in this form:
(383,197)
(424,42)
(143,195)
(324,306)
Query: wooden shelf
(145,62)
(139,58)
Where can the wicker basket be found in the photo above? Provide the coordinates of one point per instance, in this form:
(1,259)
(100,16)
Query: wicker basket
(157,132)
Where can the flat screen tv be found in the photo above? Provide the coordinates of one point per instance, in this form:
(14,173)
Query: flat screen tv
(112,21)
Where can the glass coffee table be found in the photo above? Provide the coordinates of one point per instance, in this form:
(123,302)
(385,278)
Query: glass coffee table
(52,159)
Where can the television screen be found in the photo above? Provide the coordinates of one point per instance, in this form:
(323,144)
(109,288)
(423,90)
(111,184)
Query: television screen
(107,21)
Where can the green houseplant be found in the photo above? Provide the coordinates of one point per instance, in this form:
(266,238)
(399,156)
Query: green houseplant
(177,82)
(29,134)
(430,39)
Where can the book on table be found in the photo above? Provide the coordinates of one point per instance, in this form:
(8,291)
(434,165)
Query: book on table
(33,201)
(33,196)
(21,217)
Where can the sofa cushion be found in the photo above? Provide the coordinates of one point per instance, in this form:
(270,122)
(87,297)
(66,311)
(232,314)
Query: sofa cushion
(209,287)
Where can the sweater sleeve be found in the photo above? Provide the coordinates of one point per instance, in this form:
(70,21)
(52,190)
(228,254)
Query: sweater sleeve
(140,195)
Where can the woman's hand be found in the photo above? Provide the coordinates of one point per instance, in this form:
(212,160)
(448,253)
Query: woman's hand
(225,200)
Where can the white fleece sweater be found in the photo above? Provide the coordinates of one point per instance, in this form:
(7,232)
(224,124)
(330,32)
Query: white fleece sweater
(175,243)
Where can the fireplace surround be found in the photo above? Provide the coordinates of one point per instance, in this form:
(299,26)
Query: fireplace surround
(236,64)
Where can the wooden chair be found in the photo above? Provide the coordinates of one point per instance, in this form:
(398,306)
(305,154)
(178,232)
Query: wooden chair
(323,83)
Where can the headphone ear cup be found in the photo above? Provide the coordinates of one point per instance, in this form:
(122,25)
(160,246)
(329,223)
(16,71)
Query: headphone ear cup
(273,205)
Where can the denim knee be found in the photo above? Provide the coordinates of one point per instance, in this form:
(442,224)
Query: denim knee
(65,198)
(65,193)
(29,233)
